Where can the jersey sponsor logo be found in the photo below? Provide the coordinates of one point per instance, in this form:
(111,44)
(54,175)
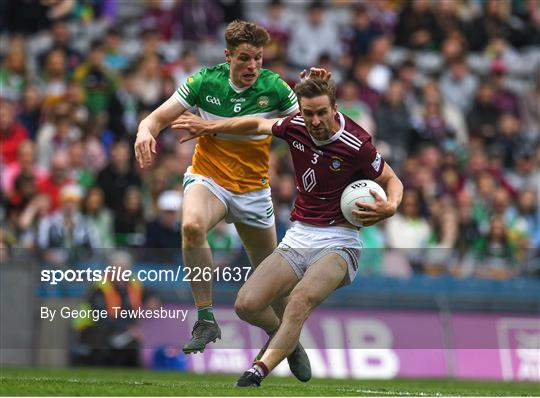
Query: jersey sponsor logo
(213,100)
(263,101)
(335,164)
(376,164)
(299,146)
(308,179)
(238,100)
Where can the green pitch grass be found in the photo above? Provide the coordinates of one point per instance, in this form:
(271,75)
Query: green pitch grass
(110,382)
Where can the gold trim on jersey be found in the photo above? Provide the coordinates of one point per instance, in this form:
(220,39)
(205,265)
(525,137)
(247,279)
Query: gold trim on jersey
(237,167)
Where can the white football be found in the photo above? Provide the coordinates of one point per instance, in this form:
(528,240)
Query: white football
(358,191)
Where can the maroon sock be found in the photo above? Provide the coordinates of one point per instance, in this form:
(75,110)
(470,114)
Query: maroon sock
(263,368)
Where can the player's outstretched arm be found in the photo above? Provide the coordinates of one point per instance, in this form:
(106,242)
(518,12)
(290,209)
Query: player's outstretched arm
(150,126)
(372,213)
(197,127)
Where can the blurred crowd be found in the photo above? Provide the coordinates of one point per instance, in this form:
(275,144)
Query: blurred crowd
(449,89)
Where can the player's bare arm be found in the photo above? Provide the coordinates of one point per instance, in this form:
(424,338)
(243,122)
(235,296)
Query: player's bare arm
(372,213)
(197,127)
(149,128)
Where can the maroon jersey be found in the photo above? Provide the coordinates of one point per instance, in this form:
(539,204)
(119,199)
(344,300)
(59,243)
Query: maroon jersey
(323,169)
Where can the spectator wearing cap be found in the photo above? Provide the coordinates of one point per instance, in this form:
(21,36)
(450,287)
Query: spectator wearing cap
(164,232)
(66,233)
(12,133)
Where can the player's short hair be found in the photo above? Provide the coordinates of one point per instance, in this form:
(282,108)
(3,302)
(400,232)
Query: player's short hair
(242,32)
(311,88)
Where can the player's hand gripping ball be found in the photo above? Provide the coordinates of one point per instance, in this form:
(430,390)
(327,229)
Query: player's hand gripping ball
(358,191)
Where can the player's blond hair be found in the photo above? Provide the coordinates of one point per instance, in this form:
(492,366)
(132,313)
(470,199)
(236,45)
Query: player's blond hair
(316,87)
(242,32)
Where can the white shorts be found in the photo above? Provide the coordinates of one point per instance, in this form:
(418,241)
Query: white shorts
(253,208)
(305,244)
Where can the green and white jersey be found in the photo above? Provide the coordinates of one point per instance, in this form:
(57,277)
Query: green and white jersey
(216,96)
(236,162)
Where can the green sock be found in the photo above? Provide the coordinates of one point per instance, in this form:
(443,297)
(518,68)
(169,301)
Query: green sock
(206,314)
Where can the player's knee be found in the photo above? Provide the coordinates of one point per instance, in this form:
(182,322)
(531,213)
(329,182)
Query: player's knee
(193,233)
(245,306)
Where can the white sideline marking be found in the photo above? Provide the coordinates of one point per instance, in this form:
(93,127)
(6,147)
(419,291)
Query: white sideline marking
(396,393)
(158,384)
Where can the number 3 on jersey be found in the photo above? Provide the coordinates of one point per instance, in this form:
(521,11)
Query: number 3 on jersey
(308,179)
